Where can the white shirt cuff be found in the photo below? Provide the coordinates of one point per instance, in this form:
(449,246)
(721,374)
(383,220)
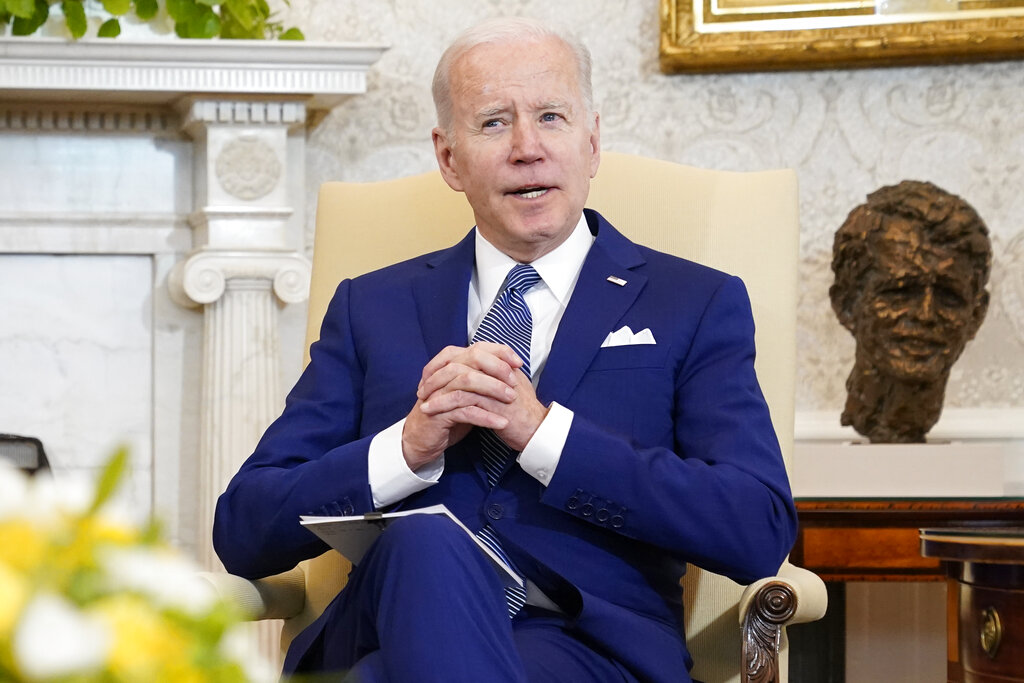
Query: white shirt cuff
(540,457)
(391,480)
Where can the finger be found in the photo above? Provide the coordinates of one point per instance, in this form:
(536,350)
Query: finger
(442,402)
(497,360)
(502,351)
(461,378)
(475,415)
(444,357)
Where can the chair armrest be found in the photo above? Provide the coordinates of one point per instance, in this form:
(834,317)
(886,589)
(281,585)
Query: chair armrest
(770,597)
(276,597)
(794,596)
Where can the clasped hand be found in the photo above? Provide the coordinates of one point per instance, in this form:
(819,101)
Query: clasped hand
(464,387)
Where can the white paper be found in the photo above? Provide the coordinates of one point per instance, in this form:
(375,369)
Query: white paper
(352,536)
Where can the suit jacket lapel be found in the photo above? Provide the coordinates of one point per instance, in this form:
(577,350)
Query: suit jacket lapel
(442,293)
(442,296)
(594,309)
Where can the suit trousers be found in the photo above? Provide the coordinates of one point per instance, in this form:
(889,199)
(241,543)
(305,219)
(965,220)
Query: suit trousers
(426,605)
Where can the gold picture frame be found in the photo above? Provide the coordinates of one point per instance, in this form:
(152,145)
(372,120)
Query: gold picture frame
(703,36)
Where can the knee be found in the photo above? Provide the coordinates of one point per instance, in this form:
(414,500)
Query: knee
(424,534)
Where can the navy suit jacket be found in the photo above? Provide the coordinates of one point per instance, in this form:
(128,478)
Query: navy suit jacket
(671,456)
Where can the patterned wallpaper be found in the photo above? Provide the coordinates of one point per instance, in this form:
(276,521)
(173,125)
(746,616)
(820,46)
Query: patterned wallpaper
(846,132)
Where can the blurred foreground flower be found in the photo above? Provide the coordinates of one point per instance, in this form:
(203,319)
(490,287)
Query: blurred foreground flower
(88,597)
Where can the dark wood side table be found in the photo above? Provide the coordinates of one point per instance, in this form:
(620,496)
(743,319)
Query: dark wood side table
(987,566)
(877,540)
(861,539)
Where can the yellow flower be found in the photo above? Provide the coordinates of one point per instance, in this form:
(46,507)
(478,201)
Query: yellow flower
(146,645)
(81,540)
(96,530)
(13,595)
(22,546)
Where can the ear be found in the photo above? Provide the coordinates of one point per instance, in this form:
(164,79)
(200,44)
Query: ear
(595,145)
(444,151)
(842,306)
(978,315)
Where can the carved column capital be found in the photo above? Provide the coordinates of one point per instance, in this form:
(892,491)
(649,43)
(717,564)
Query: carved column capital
(203,276)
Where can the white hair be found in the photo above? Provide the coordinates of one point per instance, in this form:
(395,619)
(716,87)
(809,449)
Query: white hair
(504,30)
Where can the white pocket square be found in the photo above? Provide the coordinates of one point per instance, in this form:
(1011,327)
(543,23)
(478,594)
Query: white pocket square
(626,337)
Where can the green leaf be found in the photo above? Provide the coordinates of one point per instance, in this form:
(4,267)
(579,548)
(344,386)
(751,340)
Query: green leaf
(111,28)
(292,34)
(145,9)
(206,25)
(117,7)
(21,8)
(152,532)
(208,3)
(114,471)
(182,11)
(24,26)
(244,12)
(74,17)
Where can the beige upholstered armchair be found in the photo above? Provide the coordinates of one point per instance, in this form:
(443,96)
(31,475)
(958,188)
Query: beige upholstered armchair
(742,223)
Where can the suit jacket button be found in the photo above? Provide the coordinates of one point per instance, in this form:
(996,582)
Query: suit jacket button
(494,511)
(572,503)
(587,510)
(617,521)
(603,515)
(348,510)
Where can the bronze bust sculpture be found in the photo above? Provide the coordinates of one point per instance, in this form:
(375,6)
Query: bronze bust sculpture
(910,268)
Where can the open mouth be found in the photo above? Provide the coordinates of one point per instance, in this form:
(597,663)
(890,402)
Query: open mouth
(531,192)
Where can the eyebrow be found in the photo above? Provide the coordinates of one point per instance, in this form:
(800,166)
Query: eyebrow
(543,106)
(492,111)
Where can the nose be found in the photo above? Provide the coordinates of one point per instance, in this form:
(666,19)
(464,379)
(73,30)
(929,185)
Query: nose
(926,309)
(526,144)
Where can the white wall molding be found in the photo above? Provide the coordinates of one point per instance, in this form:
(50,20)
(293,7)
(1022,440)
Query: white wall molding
(92,233)
(55,116)
(167,69)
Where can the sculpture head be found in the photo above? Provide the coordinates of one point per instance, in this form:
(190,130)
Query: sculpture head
(910,267)
(910,271)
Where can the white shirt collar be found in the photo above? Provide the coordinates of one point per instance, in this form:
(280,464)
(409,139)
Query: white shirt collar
(558,269)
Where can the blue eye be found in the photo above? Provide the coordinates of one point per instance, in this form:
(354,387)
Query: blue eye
(549,117)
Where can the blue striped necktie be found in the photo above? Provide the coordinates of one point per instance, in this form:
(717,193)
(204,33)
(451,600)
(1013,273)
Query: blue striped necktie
(508,322)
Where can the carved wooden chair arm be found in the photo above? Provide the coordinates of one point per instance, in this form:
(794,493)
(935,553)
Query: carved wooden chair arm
(794,596)
(276,597)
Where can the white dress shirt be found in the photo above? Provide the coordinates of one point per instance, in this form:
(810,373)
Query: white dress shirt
(390,477)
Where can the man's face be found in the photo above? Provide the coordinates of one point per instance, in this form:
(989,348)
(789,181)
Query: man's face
(919,308)
(523,148)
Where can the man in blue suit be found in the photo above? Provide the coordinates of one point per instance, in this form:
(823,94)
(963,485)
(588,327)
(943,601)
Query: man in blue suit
(610,430)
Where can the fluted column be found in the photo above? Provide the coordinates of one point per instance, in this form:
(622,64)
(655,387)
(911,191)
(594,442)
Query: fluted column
(241,392)
(249,158)
(247,224)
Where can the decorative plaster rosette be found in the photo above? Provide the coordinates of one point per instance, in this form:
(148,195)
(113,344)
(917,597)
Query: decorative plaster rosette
(248,168)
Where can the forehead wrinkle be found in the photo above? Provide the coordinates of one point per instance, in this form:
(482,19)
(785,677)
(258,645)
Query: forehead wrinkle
(492,111)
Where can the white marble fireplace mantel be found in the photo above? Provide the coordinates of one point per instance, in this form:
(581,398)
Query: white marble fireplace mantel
(151,221)
(161,71)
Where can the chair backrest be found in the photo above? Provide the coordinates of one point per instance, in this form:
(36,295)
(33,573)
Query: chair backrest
(742,223)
